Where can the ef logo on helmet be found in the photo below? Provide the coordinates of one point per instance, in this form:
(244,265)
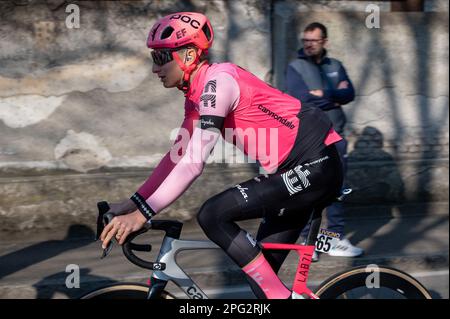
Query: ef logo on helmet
(181,33)
(186,19)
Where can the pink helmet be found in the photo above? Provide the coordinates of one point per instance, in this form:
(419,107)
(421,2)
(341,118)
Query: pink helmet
(179,29)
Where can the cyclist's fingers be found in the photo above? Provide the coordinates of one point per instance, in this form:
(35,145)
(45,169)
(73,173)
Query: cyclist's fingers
(110,235)
(106,231)
(124,236)
(108,228)
(120,232)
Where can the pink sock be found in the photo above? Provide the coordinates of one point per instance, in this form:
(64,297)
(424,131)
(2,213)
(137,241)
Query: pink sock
(261,272)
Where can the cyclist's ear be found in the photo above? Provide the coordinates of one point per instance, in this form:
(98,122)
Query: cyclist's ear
(190,56)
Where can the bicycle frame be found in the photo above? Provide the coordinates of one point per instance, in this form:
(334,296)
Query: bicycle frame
(171,247)
(167,269)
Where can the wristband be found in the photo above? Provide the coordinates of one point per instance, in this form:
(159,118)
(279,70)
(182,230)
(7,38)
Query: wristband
(142,206)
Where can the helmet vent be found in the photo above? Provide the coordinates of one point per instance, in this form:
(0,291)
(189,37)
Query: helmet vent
(167,32)
(154,32)
(207,32)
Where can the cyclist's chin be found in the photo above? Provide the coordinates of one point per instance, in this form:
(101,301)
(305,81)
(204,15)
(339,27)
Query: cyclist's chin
(169,85)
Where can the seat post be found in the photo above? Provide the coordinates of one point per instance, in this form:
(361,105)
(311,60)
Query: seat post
(315,221)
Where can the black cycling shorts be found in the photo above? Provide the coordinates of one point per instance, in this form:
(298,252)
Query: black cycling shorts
(283,200)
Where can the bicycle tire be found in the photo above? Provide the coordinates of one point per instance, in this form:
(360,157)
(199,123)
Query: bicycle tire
(123,291)
(392,279)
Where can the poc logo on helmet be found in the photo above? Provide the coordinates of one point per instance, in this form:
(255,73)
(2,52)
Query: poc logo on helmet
(186,19)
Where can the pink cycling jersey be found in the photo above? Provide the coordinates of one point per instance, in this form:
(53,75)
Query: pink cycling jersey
(257,118)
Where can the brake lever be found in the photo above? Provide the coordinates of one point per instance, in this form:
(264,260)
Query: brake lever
(106,219)
(107,250)
(103,208)
(102,220)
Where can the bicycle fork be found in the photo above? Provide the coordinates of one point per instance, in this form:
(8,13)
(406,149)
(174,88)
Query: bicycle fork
(156,286)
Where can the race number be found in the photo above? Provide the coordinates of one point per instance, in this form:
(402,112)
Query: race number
(326,240)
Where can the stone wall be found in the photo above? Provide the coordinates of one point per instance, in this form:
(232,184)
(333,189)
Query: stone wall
(397,126)
(65,89)
(82,118)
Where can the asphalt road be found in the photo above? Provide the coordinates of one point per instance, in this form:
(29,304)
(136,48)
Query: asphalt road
(34,265)
(435,281)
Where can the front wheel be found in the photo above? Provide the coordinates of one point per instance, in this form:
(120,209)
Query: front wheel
(124,291)
(379,283)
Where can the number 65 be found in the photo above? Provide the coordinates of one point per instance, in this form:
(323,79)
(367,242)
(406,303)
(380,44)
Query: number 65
(323,244)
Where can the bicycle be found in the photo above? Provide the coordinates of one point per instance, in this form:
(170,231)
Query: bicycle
(345,285)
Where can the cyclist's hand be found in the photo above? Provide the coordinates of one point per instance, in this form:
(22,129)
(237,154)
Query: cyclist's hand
(318,93)
(121,226)
(343,85)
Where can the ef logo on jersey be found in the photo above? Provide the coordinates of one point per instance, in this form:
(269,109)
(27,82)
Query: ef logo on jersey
(209,94)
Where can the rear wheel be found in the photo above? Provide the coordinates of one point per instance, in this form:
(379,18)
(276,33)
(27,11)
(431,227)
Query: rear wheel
(387,283)
(123,291)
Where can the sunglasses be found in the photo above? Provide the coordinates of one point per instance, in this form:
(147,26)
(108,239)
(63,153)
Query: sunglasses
(161,57)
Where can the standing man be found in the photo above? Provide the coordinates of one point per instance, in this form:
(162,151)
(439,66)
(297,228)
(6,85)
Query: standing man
(323,82)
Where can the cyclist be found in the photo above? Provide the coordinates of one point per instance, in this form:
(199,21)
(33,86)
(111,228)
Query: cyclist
(294,144)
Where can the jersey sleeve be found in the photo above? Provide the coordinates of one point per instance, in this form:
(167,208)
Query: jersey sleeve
(219,97)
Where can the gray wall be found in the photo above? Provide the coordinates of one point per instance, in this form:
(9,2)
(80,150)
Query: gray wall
(83,119)
(398,123)
(96,81)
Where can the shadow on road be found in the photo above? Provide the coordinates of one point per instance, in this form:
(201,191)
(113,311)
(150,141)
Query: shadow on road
(77,236)
(54,286)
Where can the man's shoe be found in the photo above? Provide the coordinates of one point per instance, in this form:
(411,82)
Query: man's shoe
(345,249)
(295,295)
